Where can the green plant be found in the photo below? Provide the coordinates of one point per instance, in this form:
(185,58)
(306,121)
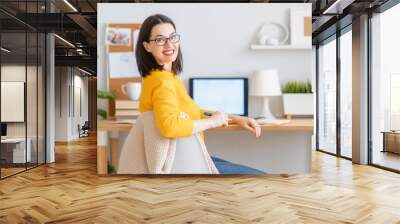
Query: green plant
(101,94)
(297,87)
(102,113)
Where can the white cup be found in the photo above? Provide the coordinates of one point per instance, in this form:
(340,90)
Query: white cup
(132,90)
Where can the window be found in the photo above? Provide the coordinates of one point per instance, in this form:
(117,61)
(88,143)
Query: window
(327,97)
(395,102)
(346,94)
(385,89)
(335,94)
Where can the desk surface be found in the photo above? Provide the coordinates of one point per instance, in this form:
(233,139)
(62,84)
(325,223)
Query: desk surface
(293,125)
(13,140)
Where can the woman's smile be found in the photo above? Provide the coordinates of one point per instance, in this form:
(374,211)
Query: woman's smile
(169,52)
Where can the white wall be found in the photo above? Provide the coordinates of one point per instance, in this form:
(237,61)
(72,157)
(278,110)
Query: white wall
(67,80)
(215,39)
(80,82)
(61,103)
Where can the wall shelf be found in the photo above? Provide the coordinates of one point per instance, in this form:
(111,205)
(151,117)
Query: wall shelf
(279,47)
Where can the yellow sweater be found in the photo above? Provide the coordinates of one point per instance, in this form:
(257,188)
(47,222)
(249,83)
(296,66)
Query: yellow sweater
(165,94)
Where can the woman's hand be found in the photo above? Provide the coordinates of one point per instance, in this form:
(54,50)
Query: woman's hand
(248,123)
(219,118)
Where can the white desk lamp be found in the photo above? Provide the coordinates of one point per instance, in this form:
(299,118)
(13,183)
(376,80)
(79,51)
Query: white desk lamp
(265,83)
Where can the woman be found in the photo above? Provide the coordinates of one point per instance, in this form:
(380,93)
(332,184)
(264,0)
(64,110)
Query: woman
(159,61)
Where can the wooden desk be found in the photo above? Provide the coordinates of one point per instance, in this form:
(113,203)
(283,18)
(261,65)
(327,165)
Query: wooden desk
(391,141)
(293,125)
(114,127)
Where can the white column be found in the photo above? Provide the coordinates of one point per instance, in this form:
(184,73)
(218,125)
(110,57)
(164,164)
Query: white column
(50,100)
(360,90)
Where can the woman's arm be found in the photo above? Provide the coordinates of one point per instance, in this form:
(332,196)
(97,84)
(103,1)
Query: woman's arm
(248,123)
(169,119)
(216,120)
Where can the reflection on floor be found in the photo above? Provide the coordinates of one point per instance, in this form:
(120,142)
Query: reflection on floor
(387,159)
(10,171)
(346,152)
(70,191)
(13,169)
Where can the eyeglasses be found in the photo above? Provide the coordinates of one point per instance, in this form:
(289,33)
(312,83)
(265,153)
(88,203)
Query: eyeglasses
(160,41)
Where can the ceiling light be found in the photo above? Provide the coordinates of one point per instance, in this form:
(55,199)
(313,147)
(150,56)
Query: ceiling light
(338,6)
(65,41)
(5,50)
(84,71)
(70,5)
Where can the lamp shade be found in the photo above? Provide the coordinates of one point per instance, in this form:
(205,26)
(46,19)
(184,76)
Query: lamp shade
(265,83)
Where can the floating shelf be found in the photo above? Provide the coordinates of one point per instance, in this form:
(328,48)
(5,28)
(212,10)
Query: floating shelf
(279,47)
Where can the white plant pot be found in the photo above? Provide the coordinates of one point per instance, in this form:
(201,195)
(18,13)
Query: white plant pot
(298,103)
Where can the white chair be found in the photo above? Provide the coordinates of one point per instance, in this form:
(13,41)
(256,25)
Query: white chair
(146,151)
(189,156)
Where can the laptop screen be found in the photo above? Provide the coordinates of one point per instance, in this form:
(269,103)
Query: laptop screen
(229,95)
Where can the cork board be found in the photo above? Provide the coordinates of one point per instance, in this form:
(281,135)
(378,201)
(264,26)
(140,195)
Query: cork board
(114,84)
(122,48)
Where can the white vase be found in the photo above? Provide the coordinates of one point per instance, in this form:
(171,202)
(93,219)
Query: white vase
(298,103)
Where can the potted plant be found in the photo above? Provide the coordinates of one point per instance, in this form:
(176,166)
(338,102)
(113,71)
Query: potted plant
(298,98)
(105,95)
(102,97)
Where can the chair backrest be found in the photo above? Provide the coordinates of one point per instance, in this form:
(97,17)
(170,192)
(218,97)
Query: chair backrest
(189,157)
(146,151)
(132,158)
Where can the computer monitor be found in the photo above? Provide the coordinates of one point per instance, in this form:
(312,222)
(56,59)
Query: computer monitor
(3,129)
(229,95)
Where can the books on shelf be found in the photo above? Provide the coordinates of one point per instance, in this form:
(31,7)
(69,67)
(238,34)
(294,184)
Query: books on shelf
(125,121)
(126,104)
(127,113)
(126,109)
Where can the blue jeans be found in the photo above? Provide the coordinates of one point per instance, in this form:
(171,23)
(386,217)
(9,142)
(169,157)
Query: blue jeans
(226,167)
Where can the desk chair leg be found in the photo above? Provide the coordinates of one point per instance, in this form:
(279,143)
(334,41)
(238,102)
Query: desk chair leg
(102,152)
(114,148)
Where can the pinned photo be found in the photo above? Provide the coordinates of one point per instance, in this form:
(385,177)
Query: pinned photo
(118,36)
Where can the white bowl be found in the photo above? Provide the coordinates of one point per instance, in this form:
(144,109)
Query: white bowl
(273,34)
